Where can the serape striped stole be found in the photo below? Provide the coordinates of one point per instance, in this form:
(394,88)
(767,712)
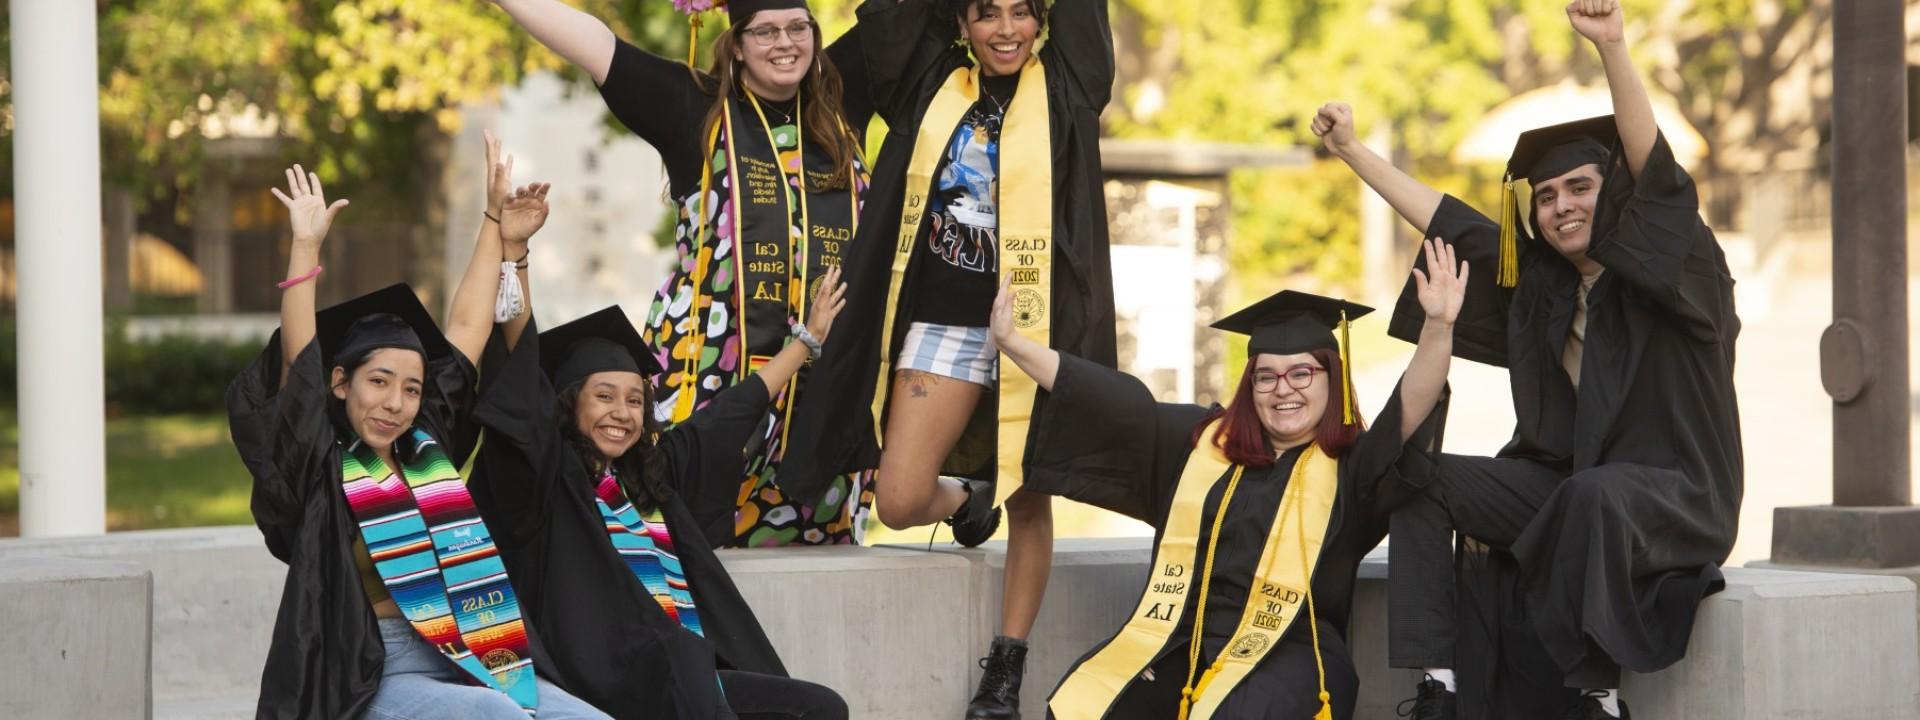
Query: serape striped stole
(437,559)
(646,545)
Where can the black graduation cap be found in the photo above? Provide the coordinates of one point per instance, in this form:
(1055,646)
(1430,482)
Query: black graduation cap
(601,341)
(1544,154)
(1291,322)
(739,11)
(391,317)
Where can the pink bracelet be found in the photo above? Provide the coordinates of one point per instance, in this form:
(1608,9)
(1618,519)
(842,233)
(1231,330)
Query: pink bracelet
(311,274)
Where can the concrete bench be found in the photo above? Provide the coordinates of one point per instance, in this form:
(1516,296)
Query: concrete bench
(897,629)
(76,638)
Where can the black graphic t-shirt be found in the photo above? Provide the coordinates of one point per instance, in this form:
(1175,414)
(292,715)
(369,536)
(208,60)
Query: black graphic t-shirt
(958,253)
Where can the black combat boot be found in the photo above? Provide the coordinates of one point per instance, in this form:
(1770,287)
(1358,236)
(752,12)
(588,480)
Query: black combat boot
(977,518)
(1431,701)
(999,695)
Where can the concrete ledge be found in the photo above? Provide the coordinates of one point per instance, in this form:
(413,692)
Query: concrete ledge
(215,593)
(877,624)
(897,629)
(77,638)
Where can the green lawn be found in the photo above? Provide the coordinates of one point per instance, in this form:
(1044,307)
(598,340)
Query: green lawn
(162,471)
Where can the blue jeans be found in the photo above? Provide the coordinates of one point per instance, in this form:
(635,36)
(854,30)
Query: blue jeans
(421,684)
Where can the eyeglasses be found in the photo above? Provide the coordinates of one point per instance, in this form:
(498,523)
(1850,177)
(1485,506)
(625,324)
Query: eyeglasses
(1298,378)
(766,35)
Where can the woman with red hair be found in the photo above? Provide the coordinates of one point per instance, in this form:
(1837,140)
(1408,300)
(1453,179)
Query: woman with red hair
(1262,509)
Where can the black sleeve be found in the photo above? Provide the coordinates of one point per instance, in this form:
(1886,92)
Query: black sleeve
(705,453)
(1659,245)
(446,406)
(658,100)
(1104,441)
(904,41)
(1080,45)
(1480,333)
(284,437)
(518,462)
(849,57)
(1387,472)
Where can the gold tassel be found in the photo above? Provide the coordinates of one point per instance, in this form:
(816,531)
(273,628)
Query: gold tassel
(693,37)
(1509,274)
(1346,371)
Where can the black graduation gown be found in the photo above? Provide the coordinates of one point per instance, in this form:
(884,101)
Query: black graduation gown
(909,54)
(1617,559)
(326,657)
(614,647)
(1132,465)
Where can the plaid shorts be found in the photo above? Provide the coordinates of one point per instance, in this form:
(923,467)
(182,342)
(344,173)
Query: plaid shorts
(961,353)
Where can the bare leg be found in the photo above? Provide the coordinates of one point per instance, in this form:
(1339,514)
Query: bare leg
(1029,561)
(925,417)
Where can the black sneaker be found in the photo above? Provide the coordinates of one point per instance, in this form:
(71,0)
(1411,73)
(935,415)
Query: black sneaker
(977,518)
(1431,701)
(998,697)
(1588,708)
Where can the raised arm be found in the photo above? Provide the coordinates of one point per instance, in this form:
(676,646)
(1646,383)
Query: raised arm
(523,214)
(1600,21)
(471,320)
(1412,199)
(1442,290)
(311,217)
(1038,361)
(1080,35)
(827,304)
(580,38)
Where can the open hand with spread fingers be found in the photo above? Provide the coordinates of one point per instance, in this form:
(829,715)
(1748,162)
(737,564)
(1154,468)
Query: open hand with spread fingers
(828,300)
(307,207)
(1443,287)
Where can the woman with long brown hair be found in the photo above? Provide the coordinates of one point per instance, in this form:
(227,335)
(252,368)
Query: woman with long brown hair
(762,152)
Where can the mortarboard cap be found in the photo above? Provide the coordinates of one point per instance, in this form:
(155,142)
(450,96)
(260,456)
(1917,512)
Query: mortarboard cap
(391,317)
(1291,322)
(1543,154)
(740,11)
(601,341)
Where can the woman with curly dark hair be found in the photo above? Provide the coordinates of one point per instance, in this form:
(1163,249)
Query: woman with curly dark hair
(600,517)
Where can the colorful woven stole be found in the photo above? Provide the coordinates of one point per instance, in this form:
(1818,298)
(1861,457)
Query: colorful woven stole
(434,553)
(644,542)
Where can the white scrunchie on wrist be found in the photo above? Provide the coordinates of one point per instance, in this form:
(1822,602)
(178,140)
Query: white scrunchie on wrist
(511,301)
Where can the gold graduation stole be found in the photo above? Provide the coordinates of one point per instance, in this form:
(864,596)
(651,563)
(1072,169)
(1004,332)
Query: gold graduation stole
(1281,586)
(1026,239)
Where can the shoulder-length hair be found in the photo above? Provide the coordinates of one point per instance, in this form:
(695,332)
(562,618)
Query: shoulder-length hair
(1244,440)
(821,93)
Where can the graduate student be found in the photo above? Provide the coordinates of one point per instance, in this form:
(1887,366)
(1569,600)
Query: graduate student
(763,160)
(991,169)
(354,424)
(1619,494)
(1262,510)
(598,510)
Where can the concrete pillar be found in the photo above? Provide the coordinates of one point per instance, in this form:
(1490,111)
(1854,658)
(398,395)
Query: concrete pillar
(56,180)
(1380,269)
(121,221)
(213,238)
(1863,354)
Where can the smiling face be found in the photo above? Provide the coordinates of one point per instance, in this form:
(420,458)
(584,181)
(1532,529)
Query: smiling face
(382,395)
(1289,414)
(775,63)
(611,411)
(1002,33)
(1563,206)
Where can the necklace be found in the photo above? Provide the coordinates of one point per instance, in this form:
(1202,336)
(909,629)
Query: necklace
(980,129)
